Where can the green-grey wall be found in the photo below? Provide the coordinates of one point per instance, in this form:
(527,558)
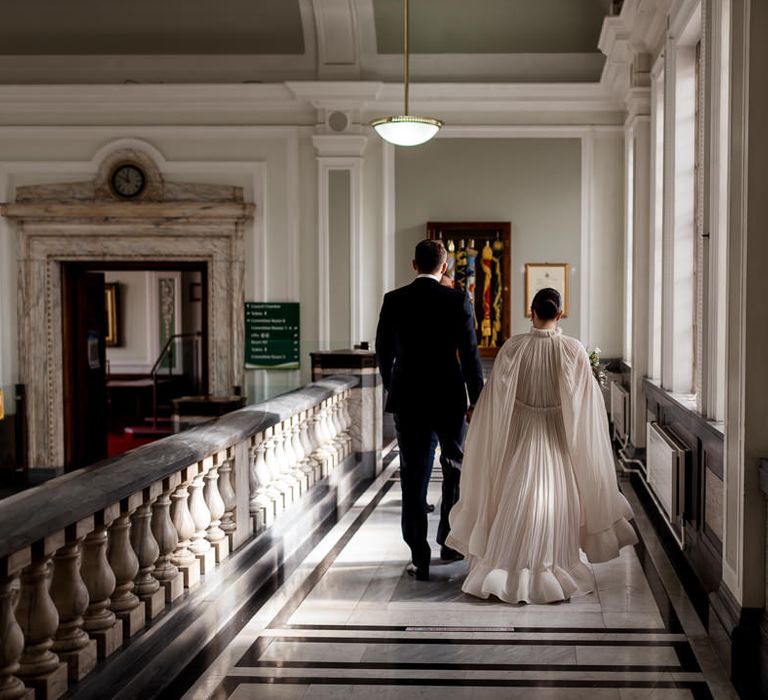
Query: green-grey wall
(535,184)
(338,245)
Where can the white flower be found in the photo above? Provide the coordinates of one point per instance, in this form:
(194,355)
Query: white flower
(597,350)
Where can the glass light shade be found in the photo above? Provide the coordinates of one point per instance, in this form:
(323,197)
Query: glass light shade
(406,130)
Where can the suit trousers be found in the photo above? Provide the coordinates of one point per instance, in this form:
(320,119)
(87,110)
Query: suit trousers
(417,438)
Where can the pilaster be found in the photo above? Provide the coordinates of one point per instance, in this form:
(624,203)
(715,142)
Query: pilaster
(638,135)
(340,152)
(744,556)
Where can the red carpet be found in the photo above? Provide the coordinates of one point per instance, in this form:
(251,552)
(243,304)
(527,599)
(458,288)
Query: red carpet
(117,443)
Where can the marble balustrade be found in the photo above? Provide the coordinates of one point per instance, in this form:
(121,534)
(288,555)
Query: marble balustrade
(88,559)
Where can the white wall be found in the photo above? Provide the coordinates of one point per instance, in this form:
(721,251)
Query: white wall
(534,183)
(606,245)
(136,351)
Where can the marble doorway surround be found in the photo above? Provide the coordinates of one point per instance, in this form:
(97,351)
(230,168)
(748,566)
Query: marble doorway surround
(86,221)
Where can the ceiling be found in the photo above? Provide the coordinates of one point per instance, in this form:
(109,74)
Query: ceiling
(85,41)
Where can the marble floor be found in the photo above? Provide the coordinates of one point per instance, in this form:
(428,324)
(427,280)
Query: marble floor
(349,622)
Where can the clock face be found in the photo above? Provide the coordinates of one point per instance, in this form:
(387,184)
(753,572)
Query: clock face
(128,180)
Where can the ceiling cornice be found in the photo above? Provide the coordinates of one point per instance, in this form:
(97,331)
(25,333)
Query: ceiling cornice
(94,104)
(631,41)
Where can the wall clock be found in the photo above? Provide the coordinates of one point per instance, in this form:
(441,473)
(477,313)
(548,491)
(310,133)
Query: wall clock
(128,180)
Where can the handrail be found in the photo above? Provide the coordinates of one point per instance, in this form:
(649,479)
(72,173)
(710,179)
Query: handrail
(125,538)
(33,514)
(161,356)
(197,335)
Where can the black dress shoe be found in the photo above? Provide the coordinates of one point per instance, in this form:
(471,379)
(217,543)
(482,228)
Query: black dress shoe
(420,573)
(448,554)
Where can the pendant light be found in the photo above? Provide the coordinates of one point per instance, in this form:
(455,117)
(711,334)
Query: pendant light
(406,129)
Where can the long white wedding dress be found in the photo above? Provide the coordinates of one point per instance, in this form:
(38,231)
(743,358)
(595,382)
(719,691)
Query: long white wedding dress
(538,479)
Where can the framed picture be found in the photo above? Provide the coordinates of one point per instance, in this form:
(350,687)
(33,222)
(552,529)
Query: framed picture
(111,301)
(541,275)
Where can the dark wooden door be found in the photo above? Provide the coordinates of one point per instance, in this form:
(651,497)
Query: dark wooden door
(85,379)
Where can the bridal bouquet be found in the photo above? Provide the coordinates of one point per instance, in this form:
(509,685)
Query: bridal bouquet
(597,368)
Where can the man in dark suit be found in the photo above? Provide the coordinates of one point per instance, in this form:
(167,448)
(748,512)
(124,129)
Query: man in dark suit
(427,352)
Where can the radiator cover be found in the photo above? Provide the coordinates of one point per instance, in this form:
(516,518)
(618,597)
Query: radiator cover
(665,462)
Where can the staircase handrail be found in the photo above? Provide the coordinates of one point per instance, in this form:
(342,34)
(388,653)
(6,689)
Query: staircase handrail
(156,367)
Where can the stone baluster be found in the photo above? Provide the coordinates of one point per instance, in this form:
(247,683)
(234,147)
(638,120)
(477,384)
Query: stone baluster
(11,636)
(227,491)
(70,595)
(40,667)
(306,436)
(147,549)
(183,558)
(164,531)
(346,420)
(289,465)
(339,440)
(273,487)
(99,620)
(340,436)
(327,437)
(214,534)
(283,483)
(262,507)
(279,452)
(298,449)
(321,455)
(201,516)
(125,565)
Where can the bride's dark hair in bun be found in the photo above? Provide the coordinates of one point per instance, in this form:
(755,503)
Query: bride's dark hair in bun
(547,304)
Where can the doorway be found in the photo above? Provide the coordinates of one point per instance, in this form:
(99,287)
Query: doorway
(134,338)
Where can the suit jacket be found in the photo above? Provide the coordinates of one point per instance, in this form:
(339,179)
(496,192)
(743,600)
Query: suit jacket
(427,349)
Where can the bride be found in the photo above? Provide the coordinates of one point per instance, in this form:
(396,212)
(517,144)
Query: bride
(538,479)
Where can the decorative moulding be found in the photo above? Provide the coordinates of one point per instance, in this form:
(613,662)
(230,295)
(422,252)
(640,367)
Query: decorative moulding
(638,102)
(339,146)
(160,198)
(626,38)
(85,221)
(294,101)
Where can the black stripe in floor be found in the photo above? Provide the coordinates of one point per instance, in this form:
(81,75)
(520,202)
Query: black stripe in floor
(687,659)
(688,663)
(456,628)
(699,689)
(464,666)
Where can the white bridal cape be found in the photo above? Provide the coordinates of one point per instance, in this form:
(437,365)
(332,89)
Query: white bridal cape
(538,478)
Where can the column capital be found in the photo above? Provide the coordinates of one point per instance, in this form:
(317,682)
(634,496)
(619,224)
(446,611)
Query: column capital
(330,146)
(638,102)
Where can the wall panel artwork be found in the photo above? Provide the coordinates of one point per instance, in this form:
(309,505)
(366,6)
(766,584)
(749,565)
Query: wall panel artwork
(479,265)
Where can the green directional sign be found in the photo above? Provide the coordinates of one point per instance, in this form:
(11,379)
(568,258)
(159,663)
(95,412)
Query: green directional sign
(271,335)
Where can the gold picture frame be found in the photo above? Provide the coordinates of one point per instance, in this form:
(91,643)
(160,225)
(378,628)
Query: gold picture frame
(541,275)
(111,302)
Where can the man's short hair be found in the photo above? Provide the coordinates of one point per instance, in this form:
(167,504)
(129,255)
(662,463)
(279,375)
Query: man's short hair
(430,255)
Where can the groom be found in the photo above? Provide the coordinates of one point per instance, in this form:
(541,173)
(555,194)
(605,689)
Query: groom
(427,352)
